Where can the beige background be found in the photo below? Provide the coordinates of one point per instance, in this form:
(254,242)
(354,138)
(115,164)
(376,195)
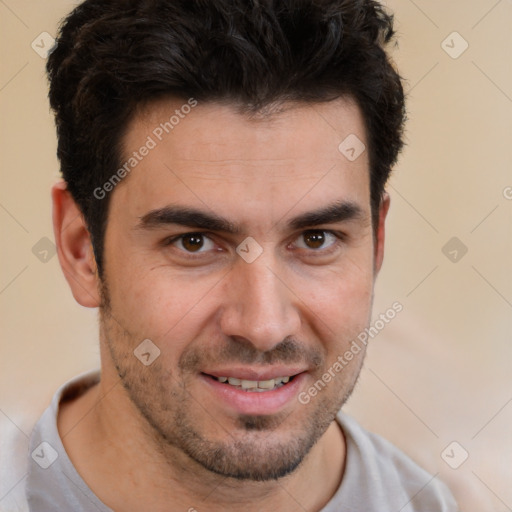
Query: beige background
(441,370)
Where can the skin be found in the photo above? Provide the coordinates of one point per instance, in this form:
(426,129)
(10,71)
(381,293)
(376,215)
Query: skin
(160,437)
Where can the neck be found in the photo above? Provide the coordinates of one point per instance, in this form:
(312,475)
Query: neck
(120,458)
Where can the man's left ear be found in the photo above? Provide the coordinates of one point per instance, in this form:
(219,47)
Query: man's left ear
(381,231)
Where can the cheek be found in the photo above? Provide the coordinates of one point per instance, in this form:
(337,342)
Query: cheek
(339,302)
(342,303)
(159,304)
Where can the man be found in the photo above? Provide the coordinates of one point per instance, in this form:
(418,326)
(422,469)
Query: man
(223,206)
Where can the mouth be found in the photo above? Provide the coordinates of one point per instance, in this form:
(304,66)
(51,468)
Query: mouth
(254,391)
(254,386)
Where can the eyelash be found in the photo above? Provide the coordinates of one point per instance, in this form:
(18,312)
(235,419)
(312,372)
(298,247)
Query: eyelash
(340,237)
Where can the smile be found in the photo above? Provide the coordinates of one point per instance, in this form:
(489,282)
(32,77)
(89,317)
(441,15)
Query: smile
(254,390)
(254,385)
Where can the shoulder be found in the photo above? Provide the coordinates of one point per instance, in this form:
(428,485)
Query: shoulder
(377,467)
(13,466)
(19,450)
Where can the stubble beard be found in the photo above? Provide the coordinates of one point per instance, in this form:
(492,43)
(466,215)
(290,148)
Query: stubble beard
(261,448)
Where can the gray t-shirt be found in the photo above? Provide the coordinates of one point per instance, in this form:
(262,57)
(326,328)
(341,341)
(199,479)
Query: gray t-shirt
(378,477)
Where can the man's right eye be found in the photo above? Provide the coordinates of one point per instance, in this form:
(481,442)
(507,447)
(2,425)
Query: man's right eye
(192,243)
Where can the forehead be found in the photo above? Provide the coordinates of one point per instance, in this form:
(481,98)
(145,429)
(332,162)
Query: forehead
(225,128)
(215,154)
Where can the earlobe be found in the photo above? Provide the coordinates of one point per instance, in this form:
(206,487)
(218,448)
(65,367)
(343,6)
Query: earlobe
(74,247)
(381,231)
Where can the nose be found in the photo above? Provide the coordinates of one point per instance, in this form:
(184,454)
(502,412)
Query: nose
(259,304)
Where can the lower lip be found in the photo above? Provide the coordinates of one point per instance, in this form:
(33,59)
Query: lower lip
(255,402)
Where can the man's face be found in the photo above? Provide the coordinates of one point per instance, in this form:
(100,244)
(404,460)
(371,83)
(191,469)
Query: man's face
(173,275)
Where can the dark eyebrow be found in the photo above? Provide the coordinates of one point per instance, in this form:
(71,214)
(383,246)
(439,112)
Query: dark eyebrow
(191,217)
(336,212)
(186,217)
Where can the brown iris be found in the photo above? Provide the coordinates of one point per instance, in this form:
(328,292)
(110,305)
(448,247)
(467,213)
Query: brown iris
(314,239)
(193,242)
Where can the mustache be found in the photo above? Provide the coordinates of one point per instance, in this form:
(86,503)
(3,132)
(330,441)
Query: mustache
(242,351)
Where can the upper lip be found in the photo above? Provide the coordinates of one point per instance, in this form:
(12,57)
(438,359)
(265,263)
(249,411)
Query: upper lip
(256,374)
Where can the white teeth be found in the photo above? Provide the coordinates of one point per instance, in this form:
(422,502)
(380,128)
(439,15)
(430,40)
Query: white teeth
(266,384)
(249,384)
(262,385)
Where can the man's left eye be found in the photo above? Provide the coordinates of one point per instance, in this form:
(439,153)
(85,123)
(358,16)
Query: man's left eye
(316,239)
